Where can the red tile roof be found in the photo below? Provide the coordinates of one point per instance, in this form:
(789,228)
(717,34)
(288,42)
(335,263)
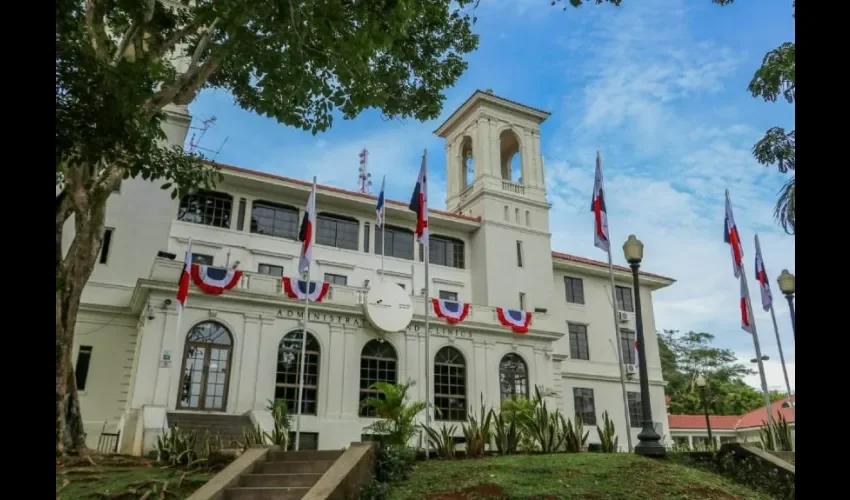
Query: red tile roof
(755,417)
(599,263)
(732,422)
(719,422)
(555,255)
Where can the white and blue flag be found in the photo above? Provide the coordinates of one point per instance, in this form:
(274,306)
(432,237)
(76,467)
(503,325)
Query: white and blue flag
(379,209)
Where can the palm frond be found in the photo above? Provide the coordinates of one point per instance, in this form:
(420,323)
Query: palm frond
(786,209)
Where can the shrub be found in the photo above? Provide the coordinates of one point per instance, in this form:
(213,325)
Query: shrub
(478,433)
(393,465)
(607,435)
(781,430)
(443,442)
(505,432)
(397,415)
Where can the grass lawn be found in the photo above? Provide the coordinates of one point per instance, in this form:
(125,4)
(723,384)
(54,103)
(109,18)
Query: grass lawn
(594,476)
(124,478)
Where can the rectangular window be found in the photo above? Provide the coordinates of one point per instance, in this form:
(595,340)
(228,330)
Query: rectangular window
(575,290)
(507,216)
(306,441)
(452,296)
(367,237)
(335,231)
(270,270)
(273,219)
(399,243)
(627,343)
(528,218)
(516,215)
(624,299)
(585,406)
(206,207)
(444,252)
(519,253)
(578,341)
(201,258)
(240,217)
(635,409)
(81,370)
(521,301)
(336,279)
(104,250)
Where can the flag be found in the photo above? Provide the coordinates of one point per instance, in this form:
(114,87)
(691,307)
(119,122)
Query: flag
(308,227)
(746,316)
(419,202)
(731,236)
(379,209)
(183,284)
(761,276)
(600,215)
(637,358)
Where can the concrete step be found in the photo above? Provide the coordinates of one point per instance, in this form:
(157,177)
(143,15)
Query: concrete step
(316,467)
(304,456)
(279,480)
(260,493)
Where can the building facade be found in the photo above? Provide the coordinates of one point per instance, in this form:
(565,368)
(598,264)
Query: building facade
(233,353)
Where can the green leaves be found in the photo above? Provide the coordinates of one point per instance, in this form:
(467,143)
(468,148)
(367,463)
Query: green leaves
(777,75)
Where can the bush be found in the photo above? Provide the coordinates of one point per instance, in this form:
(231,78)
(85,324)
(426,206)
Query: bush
(393,464)
(744,469)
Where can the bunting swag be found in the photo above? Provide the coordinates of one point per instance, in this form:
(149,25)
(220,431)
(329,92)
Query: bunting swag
(297,289)
(453,312)
(214,280)
(517,320)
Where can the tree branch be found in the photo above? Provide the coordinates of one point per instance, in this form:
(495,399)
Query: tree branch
(94,21)
(202,45)
(131,32)
(183,90)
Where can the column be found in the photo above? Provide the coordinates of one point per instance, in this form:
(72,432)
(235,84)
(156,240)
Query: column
(480,147)
(168,342)
(529,175)
(538,162)
(269,339)
(478,376)
(336,385)
(492,383)
(246,390)
(453,168)
(147,365)
(412,364)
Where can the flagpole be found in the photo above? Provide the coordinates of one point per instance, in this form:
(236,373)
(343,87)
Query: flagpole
(760,363)
(300,400)
(383,244)
(180,308)
(619,343)
(427,248)
(782,360)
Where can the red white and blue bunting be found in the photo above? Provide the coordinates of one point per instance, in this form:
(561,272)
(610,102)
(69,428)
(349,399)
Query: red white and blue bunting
(517,320)
(453,312)
(214,280)
(298,289)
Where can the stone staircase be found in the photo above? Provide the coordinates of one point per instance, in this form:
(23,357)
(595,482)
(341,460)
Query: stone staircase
(228,427)
(284,475)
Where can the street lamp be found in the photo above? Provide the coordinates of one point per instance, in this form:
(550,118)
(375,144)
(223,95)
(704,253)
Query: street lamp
(649,441)
(701,383)
(787,284)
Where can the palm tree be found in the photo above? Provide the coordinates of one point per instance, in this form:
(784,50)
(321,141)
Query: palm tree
(397,424)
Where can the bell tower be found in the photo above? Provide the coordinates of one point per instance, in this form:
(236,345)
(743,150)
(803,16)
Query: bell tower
(495,171)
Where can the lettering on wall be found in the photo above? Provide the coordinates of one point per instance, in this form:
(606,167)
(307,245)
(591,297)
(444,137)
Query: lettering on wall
(344,319)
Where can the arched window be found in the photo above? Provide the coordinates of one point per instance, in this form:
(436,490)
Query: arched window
(378,363)
(450,385)
(289,370)
(467,162)
(510,156)
(513,376)
(206,363)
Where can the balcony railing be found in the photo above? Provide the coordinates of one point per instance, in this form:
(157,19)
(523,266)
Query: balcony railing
(512,187)
(270,287)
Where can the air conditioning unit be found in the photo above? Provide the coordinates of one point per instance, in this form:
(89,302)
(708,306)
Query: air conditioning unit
(631,370)
(623,316)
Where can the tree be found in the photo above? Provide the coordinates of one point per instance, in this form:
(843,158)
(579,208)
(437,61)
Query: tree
(776,77)
(397,425)
(684,356)
(302,63)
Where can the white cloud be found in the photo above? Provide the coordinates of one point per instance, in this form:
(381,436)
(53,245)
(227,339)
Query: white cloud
(772,371)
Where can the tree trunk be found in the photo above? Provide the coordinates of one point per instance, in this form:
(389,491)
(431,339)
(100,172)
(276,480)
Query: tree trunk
(72,273)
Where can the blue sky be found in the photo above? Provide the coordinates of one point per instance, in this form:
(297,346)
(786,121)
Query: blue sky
(659,86)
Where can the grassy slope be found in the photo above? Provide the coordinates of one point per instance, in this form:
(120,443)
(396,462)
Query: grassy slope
(581,475)
(76,482)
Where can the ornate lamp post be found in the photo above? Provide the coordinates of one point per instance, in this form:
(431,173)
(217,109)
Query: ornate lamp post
(787,284)
(701,383)
(649,445)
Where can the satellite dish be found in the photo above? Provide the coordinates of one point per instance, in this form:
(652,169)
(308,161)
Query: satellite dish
(388,307)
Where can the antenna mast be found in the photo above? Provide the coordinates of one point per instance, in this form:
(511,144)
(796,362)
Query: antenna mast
(364,179)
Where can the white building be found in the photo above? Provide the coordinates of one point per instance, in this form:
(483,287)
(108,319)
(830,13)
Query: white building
(491,247)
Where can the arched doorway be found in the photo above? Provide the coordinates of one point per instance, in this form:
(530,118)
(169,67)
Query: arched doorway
(206,367)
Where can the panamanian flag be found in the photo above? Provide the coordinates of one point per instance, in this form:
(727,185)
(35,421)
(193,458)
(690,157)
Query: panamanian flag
(185,277)
(379,209)
(733,238)
(419,201)
(600,213)
(761,277)
(451,311)
(305,235)
(746,313)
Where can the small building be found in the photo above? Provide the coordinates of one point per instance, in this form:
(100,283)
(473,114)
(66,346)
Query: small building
(690,430)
